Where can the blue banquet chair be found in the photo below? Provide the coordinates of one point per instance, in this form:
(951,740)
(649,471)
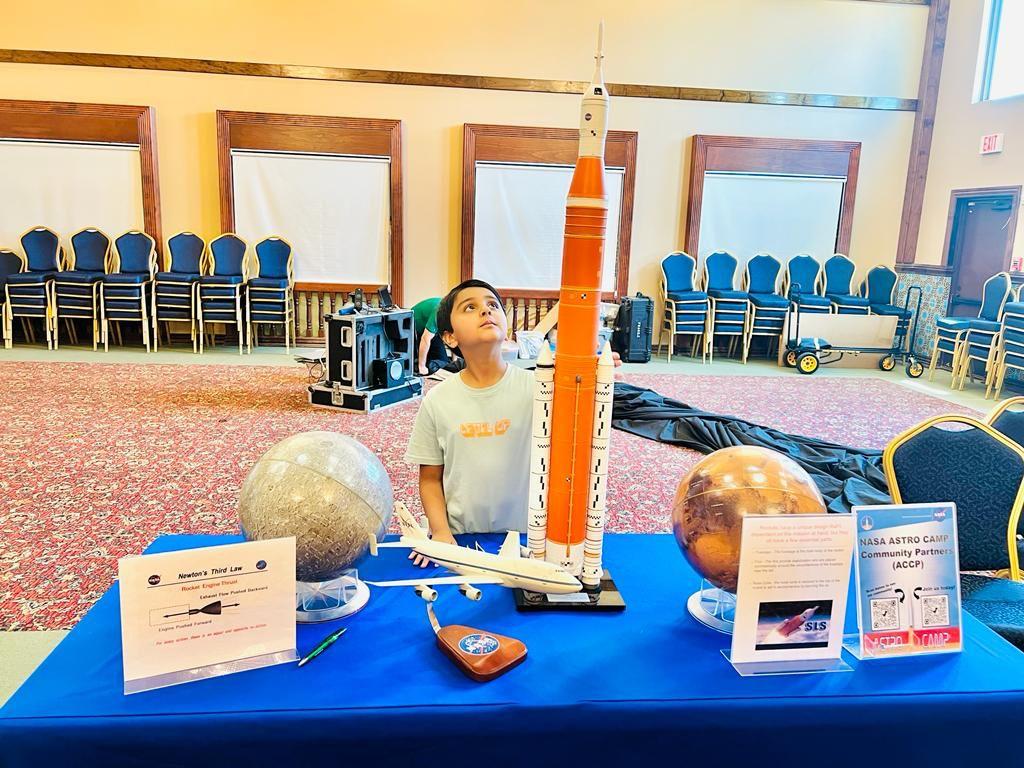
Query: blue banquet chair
(1009,353)
(804,271)
(30,292)
(879,288)
(222,289)
(127,287)
(951,332)
(175,290)
(77,286)
(10,264)
(728,310)
(981,339)
(269,297)
(1007,420)
(766,314)
(838,275)
(982,472)
(686,309)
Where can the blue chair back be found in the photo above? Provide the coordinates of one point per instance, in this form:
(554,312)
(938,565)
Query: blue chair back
(1010,423)
(10,264)
(42,249)
(976,468)
(678,269)
(273,258)
(720,271)
(839,271)
(185,253)
(227,255)
(134,252)
(880,285)
(763,273)
(89,250)
(804,270)
(994,294)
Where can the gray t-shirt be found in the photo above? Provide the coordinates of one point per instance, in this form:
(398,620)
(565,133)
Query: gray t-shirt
(482,437)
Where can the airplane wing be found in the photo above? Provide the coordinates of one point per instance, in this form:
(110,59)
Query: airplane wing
(437,580)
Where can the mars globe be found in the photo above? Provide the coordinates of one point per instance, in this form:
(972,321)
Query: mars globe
(713,498)
(327,490)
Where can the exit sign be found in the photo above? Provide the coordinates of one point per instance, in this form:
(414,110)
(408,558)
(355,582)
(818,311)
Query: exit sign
(992,143)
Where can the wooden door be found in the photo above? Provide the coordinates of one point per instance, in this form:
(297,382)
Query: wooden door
(982,228)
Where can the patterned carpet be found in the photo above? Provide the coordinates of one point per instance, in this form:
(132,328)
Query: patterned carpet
(99,459)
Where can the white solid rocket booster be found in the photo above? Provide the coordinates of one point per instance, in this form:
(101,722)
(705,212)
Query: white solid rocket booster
(540,453)
(597,498)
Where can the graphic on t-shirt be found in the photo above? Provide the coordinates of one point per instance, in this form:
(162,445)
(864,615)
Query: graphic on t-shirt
(484,428)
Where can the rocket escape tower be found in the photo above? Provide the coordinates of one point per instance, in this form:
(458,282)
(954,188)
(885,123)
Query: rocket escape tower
(573,393)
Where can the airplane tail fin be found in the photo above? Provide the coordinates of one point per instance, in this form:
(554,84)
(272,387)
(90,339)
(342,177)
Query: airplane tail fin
(510,548)
(407,522)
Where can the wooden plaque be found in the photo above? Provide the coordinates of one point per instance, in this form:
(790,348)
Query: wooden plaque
(481,655)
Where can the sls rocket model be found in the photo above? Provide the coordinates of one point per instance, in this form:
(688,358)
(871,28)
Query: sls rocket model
(573,395)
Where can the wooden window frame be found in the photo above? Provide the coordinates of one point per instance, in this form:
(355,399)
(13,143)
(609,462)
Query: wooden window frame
(274,132)
(98,123)
(796,157)
(551,146)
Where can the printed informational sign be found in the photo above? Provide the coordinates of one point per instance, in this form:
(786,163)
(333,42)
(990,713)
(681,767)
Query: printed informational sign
(908,580)
(200,613)
(793,580)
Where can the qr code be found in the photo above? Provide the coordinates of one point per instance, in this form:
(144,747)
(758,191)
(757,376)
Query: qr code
(935,611)
(885,614)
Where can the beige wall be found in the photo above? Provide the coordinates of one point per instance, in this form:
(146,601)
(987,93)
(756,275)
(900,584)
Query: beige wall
(959,126)
(823,46)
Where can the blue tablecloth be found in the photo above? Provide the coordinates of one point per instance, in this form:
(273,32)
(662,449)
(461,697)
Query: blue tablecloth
(649,683)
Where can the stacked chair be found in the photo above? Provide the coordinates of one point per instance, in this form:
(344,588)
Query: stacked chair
(10,264)
(982,471)
(803,275)
(838,287)
(1009,352)
(686,309)
(966,339)
(127,286)
(728,314)
(77,286)
(222,287)
(766,313)
(30,292)
(175,290)
(269,298)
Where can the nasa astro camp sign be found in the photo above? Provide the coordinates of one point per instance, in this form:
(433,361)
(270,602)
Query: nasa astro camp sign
(908,583)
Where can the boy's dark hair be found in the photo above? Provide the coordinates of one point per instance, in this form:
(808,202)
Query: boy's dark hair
(444,309)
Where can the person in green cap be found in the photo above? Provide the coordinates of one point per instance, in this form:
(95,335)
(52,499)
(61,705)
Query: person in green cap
(430,350)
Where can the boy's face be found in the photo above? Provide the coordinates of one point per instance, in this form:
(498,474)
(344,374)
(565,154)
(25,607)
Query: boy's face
(478,320)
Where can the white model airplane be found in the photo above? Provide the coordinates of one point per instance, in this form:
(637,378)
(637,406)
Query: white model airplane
(507,568)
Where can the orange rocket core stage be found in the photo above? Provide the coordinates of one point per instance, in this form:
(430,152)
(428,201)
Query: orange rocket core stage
(576,356)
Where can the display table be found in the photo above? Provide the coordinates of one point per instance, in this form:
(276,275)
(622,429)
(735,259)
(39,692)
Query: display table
(646,684)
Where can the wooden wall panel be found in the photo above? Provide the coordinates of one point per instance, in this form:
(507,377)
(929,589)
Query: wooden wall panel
(316,133)
(750,154)
(527,144)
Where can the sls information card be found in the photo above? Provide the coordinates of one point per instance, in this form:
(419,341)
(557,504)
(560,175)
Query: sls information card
(205,612)
(908,580)
(793,581)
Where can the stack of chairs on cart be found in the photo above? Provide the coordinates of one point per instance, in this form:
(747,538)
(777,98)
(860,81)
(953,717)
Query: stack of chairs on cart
(106,282)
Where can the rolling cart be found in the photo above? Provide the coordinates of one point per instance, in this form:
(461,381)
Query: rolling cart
(807,354)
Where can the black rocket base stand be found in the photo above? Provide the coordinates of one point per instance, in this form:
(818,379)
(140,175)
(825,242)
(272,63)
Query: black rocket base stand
(605,599)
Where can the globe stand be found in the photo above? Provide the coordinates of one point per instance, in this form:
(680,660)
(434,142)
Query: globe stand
(713,607)
(327,600)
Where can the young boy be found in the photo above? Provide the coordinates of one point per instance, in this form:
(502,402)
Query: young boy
(472,432)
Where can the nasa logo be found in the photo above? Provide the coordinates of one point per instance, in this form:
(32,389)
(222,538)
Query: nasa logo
(478,645)
(587,116)
(261,565)
(153,580)
(939,515)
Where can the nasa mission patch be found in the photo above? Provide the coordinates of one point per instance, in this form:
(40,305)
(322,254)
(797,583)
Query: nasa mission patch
(478,644)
